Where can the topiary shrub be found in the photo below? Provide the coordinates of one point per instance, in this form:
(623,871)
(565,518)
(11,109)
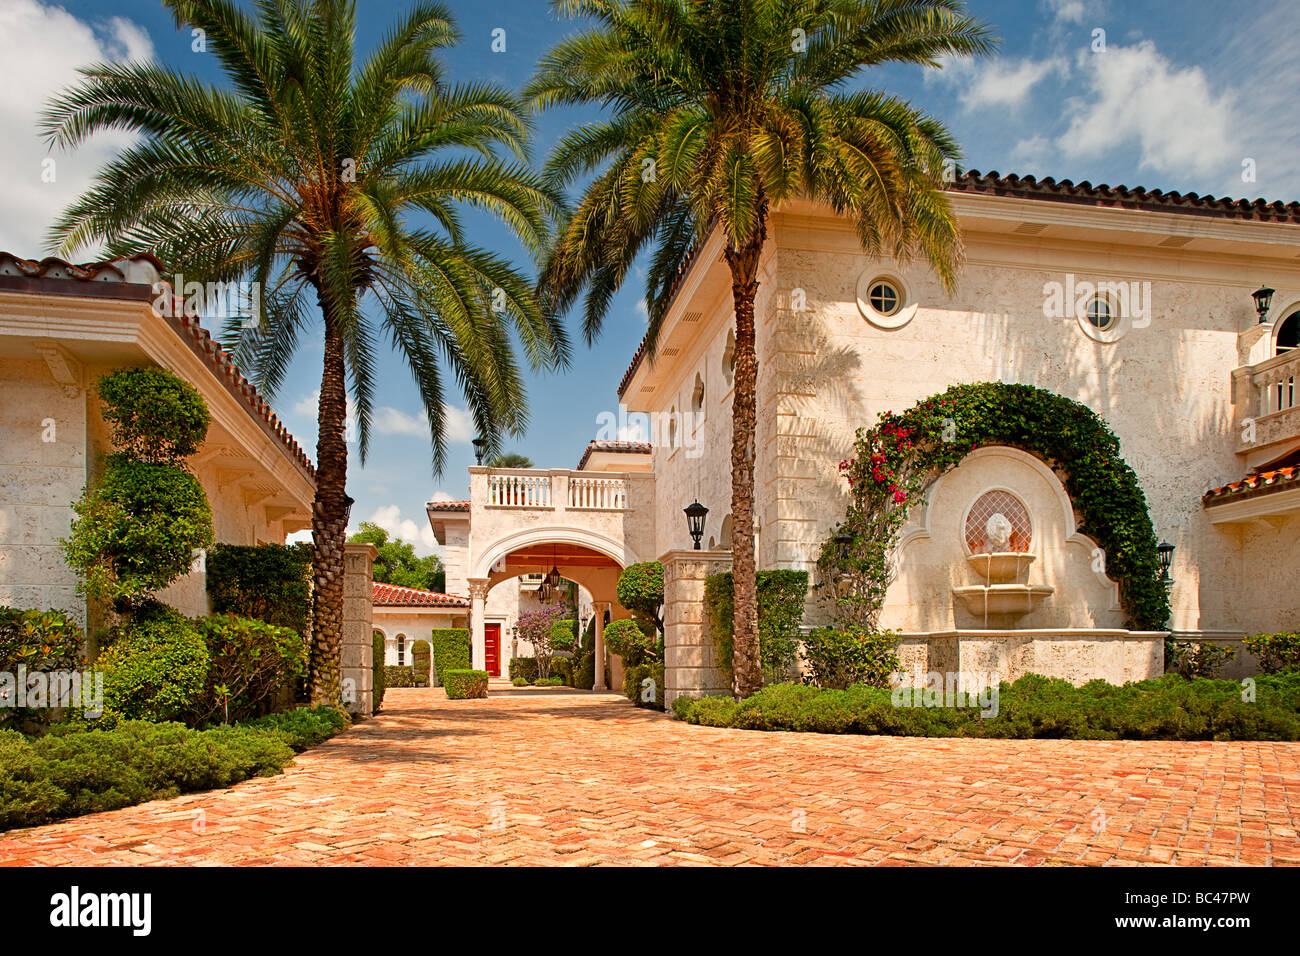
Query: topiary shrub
(1277,653)
(837,657)
(638,691)
(451,651)
(138,526)
(156,668)
(640,589)
(253,669)
(781,597)
(464,684)
(632,640)
(378,670)
(562,670)
(523,668)
(402,675)
(268,582)
(420,656)
(564,635)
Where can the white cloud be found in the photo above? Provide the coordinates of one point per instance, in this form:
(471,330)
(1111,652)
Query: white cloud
(441,496)
(995,83)
(1068,11)
(1136,96)
(458,425)
(41,48)
(392,421)
(418,534)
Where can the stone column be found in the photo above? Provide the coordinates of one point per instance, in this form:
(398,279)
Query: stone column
(600,607)
(358,627)
(478,591)
(690,656)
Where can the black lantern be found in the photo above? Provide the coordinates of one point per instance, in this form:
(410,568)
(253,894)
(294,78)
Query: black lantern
(480,446)
(347,508)
(695,513)
(1263,297)
(842,578)
(1166,551)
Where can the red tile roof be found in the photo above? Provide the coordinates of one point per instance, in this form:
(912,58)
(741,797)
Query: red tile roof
(187,327)
(394,595)
(1266,482)
(620,447)
(447,506)
(1084,193)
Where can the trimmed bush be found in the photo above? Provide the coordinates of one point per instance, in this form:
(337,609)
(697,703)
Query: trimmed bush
(564,635)
(519,682)
(74,770)
(378,670)
(403,675)
(562,670)
(156,668)
(632,640)
(781,597)
(451,651)
(633,685)
(254,666)
(463,684)
(1167,708)
(1276,652)
(523,668)
(838,657)
(640,589)
(421,652)
(153,414)
(268,582)
(546,682)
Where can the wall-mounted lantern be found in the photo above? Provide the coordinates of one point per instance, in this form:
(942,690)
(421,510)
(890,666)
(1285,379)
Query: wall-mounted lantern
(1166,552)
(1263,297)
(695,513)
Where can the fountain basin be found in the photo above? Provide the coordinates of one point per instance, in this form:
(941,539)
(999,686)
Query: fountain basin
(1001,600)
(1001,567)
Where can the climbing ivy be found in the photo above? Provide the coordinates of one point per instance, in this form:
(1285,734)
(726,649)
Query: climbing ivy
(896,460)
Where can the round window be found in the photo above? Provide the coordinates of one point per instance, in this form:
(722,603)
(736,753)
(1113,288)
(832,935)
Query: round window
(884,297)
(1099,314)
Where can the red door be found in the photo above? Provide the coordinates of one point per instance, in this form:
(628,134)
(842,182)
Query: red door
(492,648)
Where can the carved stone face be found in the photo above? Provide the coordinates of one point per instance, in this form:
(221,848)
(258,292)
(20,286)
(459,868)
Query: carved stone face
(997,530)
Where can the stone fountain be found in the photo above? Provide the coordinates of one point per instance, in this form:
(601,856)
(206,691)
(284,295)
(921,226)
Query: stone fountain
(1006,594)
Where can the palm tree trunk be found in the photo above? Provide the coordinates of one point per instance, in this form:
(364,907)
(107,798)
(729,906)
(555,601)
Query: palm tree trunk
(747,671)
(329,520)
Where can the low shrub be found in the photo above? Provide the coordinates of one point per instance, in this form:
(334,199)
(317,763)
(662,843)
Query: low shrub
(523,668)
(837,658)
(254,667)
(562,670)
(1167,708)
(378,670)
(37,641)
(1197,658)
(451,651)
(403,675)
(636,690)
(1276,652)
(421,652)
(303,727)
(781,595)
(155,669)
(519,682)
(545,682)
(463,684)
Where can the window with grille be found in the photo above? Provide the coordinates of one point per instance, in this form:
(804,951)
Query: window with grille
(1010,507)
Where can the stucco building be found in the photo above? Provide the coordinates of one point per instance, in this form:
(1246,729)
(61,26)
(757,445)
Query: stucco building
(1135,303)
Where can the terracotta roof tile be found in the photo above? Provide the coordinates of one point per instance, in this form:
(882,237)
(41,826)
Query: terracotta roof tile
(394,595)
(619,447)
(1084,193)
(187,327)
(1265,482)
(447,506)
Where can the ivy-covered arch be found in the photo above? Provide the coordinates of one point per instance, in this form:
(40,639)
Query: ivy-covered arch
(894,462)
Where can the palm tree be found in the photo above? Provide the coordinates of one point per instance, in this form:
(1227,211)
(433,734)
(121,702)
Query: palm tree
(718,109)
(318,176)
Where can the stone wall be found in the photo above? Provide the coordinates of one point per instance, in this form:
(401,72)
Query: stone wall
(690,656)
(358,651)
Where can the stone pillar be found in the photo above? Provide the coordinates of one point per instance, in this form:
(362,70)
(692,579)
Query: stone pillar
(690,656)
(478,591)
(358,627)
(600,607)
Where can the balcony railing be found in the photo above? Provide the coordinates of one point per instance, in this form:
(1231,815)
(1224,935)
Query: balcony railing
(1267,396)
(1278,382)
(556,490)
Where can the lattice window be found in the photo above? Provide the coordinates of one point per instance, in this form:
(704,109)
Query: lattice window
(1010,507)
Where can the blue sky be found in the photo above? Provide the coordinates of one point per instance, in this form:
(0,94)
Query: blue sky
(1168,95)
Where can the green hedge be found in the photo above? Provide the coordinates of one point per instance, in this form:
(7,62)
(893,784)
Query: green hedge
(378,670)
(421,652)
(1167,708)
(74,770)
(781,597)
(451,651)
(269,582)
(634,677)
(523,668)
(462,684)
(156,668)
(403,675)
(257,664)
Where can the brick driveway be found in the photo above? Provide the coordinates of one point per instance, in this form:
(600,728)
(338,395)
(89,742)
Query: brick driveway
(578,778)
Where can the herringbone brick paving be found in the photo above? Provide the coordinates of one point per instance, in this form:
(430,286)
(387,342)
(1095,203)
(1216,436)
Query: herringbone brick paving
(571,778)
